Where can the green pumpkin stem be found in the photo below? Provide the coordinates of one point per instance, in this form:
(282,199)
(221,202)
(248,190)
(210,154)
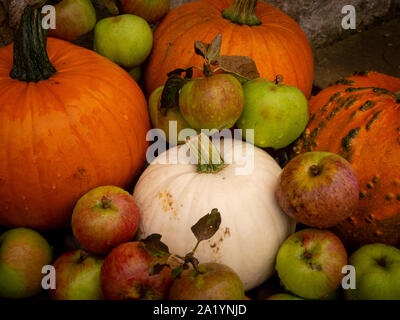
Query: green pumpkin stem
(397,94)
(242,12)
(209,159)
(31,62)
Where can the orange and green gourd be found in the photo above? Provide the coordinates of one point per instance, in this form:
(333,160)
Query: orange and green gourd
(359,119)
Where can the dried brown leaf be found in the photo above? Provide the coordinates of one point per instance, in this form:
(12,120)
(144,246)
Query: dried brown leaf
(239,65)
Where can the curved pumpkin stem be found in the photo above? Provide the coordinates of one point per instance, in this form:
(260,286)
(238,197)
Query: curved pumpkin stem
(31,62)
(242,12)
(398,96)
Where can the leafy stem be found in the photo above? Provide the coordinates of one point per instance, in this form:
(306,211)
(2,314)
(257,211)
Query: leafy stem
(203,229)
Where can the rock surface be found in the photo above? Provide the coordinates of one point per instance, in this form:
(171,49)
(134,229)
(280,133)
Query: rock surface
(377,47)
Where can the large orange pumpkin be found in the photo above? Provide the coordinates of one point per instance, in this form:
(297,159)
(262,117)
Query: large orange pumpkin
(271,38)
(359,118)
(63,131)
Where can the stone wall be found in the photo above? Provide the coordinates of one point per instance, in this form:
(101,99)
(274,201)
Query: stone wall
(321,19)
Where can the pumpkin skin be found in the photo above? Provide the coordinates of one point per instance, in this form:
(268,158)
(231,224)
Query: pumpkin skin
(359,119)
(173,197)
(278,45)
(82,128)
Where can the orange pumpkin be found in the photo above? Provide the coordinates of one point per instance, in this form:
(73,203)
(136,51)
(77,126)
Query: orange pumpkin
(264,33)
(68,123)
(359,118)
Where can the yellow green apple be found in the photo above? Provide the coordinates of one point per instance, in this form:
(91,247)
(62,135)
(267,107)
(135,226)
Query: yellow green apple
(125,39)
(23,254)
(277,113)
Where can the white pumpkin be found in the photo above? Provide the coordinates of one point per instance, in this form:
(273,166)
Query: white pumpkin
(173,197)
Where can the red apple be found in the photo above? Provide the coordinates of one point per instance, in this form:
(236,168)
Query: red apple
(309,263)
(213,102)
(77,276)
(150,10)
(23,254)
(127,274)
(74,18)
(104,218)
(318,189)
(214,281)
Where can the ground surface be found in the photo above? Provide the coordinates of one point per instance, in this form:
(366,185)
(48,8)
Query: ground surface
(375,49)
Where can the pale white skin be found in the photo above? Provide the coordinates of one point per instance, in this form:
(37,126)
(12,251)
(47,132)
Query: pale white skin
(173,197)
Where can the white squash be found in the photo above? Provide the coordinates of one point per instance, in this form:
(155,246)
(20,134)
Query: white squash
(173,197)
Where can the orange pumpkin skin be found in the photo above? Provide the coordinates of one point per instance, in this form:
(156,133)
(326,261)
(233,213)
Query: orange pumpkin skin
(278,45)
(360,120)
(84,127)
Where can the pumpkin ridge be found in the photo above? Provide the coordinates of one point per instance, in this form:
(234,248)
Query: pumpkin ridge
(172,26)
(34,153)
(190,58)
(114,116)
(77,134)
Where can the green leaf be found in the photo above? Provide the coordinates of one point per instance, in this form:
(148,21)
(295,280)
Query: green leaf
(207,226)
(170,93)
(157,268)
(155,246)
(176,272)
(241,66)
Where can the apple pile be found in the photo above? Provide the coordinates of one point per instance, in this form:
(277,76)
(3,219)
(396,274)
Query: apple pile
(221,100)
(319,190)
(110,263)
(124,36)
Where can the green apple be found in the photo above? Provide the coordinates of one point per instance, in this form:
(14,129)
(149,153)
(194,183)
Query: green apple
(284,296)
(77,276)
(136,73)
(318,189)
(161,121)
(74,18)
(125,39)
(23,254)
(214,102)
(277,113)
(214,281)
(309,263)
(377,273)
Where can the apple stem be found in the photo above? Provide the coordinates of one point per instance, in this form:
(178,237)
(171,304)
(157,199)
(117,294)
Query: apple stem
(207,70)
(83,256)
(381,262)
(105,202)
(314,170)
(279,79)
(190,259)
